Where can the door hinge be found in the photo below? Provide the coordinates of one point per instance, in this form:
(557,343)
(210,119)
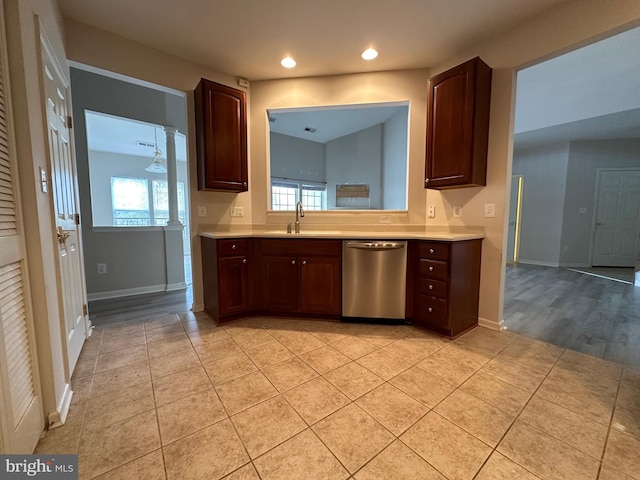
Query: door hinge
(77,215)
(85,310)
(69,122)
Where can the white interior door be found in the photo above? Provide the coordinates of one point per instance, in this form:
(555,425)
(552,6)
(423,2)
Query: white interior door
(513,230)
(64,192)
(617,222)
(21,412)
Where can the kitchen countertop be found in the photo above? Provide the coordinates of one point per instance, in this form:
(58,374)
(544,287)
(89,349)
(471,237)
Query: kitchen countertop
(345,234)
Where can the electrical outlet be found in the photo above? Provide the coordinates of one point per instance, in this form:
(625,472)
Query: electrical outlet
(202,211)
(237,211)
(489,209)
(431,211)
(102,268)
(385,219)
(457,210)
(243,82)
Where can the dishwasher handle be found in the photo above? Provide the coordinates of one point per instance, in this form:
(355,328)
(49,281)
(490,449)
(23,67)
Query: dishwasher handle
(376,245)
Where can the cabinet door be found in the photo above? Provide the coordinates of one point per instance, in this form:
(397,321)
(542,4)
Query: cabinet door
(280,283)
(458,126)
(233,285)
(221,137)
(320,285)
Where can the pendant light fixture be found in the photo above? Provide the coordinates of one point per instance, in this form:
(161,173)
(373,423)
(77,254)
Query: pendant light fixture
(156,165)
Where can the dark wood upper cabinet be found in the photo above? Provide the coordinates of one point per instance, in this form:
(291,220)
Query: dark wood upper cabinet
(221,137)
(458,126)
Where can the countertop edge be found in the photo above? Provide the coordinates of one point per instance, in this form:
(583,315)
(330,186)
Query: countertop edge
(445,236)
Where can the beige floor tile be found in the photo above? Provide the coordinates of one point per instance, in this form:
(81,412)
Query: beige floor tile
(122,329)
(392,408)
(353,380)
(178,385)
(499,467)
(163,333)
(384,364)
(422,386)
(119,342)
(546,456)
(446,368)
(197,322)
(228,368)
(121,358)
(518,375)
(353,436)
(149,467)
(173,362)
(81,390)
(316,399)
(538,355)
(608,472)
(239,327)
(480,419)
(578,431)
(212,334)
(623,452)
(603,385)
(267,425)
(120,378)
(354,347)
(248,472)
(329,336)
(270,354)
(168,346)
(382,335)
(189,414)
(578,398)
(301,342)
(212,351)
(64,439)
(591,366)
(626,416)
(398,461)
(210,453)
(91,346)
(301,457)
(412,351)
(162,321)
(117,444)
(49,445)
(86,365)
(495,392)
(253,339)
(289,374)
(244,392)
(452,451)
(325,359)
(488,340)
(118,405)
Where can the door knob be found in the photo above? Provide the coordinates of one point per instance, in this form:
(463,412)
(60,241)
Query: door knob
(62,235)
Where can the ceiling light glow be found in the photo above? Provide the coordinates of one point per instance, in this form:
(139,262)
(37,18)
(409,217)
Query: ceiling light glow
(370,54)
(288,62)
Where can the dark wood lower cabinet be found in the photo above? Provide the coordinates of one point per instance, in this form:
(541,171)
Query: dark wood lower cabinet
(278,283)
(320,285)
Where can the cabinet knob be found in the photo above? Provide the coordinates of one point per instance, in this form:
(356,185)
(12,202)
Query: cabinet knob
(431,250)
(430,309)
(304,262)
(426,180)
(233,247)
(244,183)
(430,287)
(293,262)
(431,269)
(244,260)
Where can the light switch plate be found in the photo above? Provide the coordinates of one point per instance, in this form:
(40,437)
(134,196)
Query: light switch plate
(202,211)
(489,209)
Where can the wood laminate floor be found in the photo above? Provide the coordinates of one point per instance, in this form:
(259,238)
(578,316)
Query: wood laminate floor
(585,313)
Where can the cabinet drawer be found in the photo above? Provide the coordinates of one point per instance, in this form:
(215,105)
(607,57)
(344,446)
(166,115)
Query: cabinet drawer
(232,247)
(433,310)
(434,269)
(436,288)
(434,251)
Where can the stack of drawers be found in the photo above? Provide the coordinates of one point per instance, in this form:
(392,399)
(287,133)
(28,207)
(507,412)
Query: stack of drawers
(448,286)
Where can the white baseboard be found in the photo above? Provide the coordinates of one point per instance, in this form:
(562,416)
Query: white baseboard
(492,324)
(127,292)
(575,265)
(176,286)
(539,263)
(57,418)
(197,307)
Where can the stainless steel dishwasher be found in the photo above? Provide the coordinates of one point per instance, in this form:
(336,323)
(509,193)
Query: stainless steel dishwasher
(374,280)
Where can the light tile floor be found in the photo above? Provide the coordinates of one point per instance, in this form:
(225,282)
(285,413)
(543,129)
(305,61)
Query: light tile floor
(177,397)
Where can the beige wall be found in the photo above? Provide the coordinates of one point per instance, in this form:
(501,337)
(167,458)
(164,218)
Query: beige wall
(24,59)
(567,26)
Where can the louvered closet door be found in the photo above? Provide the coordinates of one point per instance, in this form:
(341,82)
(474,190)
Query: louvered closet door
(21,417)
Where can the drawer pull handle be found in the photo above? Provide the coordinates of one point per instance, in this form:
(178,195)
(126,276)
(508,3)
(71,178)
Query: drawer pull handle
(244,260)
(233,247)
(430,309)
(430,287)
(431,269)
(431,250)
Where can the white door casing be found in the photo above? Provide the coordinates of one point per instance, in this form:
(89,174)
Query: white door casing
(617,218)
(64,190)
(515,209)
(21,409)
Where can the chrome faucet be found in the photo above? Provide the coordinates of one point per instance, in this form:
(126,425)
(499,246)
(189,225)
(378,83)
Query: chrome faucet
(299,213)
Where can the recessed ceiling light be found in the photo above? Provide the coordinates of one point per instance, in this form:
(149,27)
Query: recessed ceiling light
(288,62)
(370,54)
